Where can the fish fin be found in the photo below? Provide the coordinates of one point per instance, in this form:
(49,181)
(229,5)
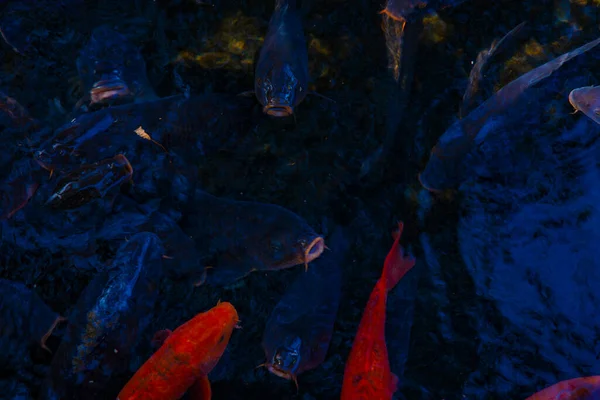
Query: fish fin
(44,339)
(247,93)
(394,382)
(396,263)
(499,50)
(200,390)
(313,93)
(159,337)
(202,279)
(229,271)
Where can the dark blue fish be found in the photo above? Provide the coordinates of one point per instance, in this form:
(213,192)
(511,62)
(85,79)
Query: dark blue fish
(112,70)
(298,332)
(107,321)
(24,320)
(447,168)
(236,238)
(281,77)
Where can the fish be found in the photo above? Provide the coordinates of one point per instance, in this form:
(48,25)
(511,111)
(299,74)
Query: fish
(89,182)
(107,321)
(24,320)
(587,388)
(367,373)
(299,329)
(587,100)
(112,70)
(185,358)
(239,237)
(446,167)
(281,76)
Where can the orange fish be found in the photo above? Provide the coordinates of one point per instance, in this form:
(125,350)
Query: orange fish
(573,389)
(367,374)
(184,360)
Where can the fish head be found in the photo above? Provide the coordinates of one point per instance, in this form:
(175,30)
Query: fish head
(286,359)
(217,327)
(279,89)
(587,100)
(143,248)
(285,239)
(112,70)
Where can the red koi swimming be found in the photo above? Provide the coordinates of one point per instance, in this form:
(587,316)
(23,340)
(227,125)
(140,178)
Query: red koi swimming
(587,388)
(184,360)
(367,374)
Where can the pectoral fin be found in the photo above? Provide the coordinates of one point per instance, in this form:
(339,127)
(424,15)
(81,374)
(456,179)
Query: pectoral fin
(247,93)
(313,93)
(200,390)
(394,383)
(228,270)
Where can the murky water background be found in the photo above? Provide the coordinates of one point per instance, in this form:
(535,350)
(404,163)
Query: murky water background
(503,320)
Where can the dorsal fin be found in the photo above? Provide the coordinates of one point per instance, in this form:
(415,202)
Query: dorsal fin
(500,50)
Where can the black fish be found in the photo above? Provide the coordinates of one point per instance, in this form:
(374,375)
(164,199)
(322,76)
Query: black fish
(112,70)
(107,321)
(281,77)
(298,332)
(238,237)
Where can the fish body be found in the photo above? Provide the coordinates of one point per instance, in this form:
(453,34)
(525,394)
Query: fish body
(90,181)
(587,388)
(367,374)
(299,329)
(446,168)
(112,70)
(107,321)
(191,126)
(186,357)
(239,237)
(24,320)
(148,135)
(281,77)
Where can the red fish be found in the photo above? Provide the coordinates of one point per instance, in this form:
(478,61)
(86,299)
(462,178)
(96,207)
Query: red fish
(184,360)
(587,388)
(367,374)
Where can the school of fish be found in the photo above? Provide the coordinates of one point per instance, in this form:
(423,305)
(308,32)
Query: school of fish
(80,170)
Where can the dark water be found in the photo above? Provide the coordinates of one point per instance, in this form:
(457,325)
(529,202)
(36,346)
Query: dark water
(481,330)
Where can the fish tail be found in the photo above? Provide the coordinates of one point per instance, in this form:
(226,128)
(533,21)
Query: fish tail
(396,263)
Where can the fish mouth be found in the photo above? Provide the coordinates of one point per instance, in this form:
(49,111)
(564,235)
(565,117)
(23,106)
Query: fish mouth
(109,89)
(572,99)
(276,110)
(314,250)
(280,372)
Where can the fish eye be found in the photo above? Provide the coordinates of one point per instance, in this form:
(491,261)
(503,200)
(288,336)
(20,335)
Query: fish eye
(277,360)
(302,242)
